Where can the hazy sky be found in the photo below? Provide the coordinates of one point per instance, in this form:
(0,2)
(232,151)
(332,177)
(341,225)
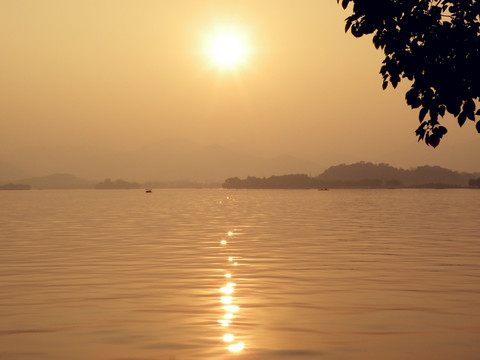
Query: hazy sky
(122,74)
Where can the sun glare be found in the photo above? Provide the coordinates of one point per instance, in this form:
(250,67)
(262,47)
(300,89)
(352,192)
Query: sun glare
(227,48)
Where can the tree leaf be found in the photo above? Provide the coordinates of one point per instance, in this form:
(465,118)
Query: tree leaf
(420,132)
(478,126)
(462,118)
(348,23)
(439,131)
(433,140)
(412,98)
(441,110)
(442,130)
(395,80)
(423,113)
(453,108)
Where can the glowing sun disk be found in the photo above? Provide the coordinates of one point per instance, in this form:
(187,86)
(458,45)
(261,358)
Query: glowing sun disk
(227,49)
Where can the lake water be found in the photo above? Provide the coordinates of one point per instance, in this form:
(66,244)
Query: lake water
(339,274)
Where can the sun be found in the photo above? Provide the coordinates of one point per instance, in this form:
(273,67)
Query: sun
(227,48)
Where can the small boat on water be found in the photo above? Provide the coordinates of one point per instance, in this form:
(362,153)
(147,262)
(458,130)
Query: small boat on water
(148,190)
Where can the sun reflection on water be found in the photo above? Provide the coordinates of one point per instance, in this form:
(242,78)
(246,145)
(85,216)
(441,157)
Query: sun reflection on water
(236,347)
(224,322)
(228,337)
(226,290)
(228,301)
(231,308)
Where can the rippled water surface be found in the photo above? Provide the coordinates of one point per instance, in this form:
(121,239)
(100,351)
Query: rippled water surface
(339,274)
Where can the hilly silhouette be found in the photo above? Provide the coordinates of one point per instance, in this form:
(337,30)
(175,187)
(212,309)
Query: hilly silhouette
(56,181)
(361,175)
(451,155)
(388,175)
(357,175)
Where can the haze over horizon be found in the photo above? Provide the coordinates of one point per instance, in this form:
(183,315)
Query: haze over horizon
(89,74)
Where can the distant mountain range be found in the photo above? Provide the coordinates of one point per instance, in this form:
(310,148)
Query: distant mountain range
(56,181)
(176,162)
(165,161)
(358,175)
(387,174)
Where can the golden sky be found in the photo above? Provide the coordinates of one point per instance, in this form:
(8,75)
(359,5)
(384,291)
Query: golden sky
(122,74)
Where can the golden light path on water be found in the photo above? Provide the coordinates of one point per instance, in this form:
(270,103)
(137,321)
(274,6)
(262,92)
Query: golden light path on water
(228,301)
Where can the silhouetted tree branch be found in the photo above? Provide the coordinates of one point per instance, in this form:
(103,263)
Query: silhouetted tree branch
(433,43)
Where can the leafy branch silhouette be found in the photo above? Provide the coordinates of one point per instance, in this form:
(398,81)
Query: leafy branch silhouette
(433,43)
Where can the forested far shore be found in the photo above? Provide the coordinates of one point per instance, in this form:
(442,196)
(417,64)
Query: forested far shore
(362,175)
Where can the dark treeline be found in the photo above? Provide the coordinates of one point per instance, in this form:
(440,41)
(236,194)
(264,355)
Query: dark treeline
(68,181)
(181,184)
(122,184)
(474,182)
(11,186)
(297,181)
(117,184)
(361,175)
